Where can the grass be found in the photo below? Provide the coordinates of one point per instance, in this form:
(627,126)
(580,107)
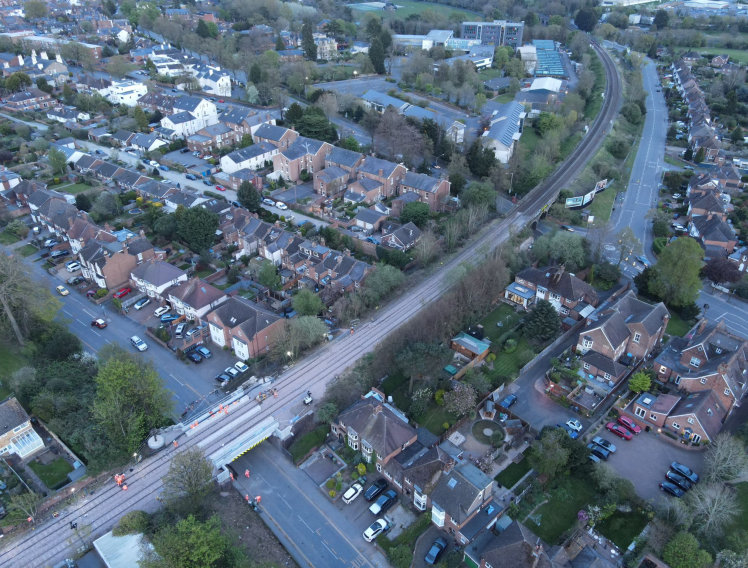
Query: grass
(510,364)
(7,238)
(560,513)
(623,528)
(53,473)
(568,145)
(503,313)
(185,266)
(677,325)
(481,425)
(505,98)
(247,294)
(736,55)
(10,361)
(602,205)
(673,161)
(529,140)
(432,419)
(393,382)
(204,273)
(735,529)
(490,73)
(27,250)
(409,8)
(303,445)
(408,537)
(514,471)
(73,188)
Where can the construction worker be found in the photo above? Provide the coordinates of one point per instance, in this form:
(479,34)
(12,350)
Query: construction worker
(176,443)
(246,473)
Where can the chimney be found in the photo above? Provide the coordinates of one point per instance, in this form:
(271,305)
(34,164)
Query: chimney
(702,325)
(558,274)
(346,252)
(449,465)
(43,55)
(381,173)
(377,409)
(141,233)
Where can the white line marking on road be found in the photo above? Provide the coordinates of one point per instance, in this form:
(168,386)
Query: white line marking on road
(76,319)
(181,384)
(306,525)
(286,502)
(96,333)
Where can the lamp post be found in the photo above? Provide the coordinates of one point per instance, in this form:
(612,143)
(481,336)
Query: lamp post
(511,181)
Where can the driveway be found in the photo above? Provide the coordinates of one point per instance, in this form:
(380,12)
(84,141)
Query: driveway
(424,545)
(646,459)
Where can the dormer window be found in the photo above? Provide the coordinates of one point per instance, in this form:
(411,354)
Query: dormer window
(695,362)
(587,343)
(637,337)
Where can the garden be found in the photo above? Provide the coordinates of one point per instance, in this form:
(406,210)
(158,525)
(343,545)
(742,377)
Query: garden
(53,473)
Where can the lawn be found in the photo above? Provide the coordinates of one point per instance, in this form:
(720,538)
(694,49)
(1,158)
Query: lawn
(736,55)
(557,516)
(623,528)
(505,98)
(510,364)
(73,188)
(673,161)
(27,250)
(737,527)
(407,8)
(305,443)
(490,73)
(10,361)
(504,314)
(515,471)
(529,140)
(204,273)
(602,205)
(247,294)
(7,238)
(677,325)
(53,473)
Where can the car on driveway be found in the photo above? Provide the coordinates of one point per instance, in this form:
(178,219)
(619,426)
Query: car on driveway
(384,502)
(508,401)
(100,323)
(160,311)
(619,430)
(605,444)
(153,163)
(50,243)
(270,202)
(190,176)
(682,482)
(574,424)
(241,367)
(205,352)
(672,488)
(138,343)
(76,280)
(378,527)
(59,253)
(194,357)
(630,424)
(684,471)
(374,491)
(280,205)
(207,182)
(73,266)
(140,304)
(166,318)
(231,372)
(436,550)
(220,188)
(62,291)
(353,491)
(573,434)
(223,378)
(122,292)
(600,452)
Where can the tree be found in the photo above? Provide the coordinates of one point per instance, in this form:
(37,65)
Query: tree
(307,303)
(688,156)
(661,19)
(376,55)
(640,382)
(140,117)
(460,400)
(119,66)
(34,9)
(350,143)
(104,207)
(298,334)
(543,321)
(202,29)
(416,213)
(197,226)
(294,113)
(189,477)
(586,19)
(478,193)
(280,44)
(726,461)
(24,506)
(721,271)
(700,155)
(78,53)
(628,244)
(249,197)
(133,522)
(188,543)
(58,161)
(43,85)
(255,73)
(307,41)
(550,455)
(737,135)
(531,19)
(167,226)
(422,360)
(326,413)
(675,277)
(683,552)
(713,507)
(268,276)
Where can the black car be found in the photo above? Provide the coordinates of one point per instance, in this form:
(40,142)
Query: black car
(599,451)
(76,280)
(184,150)
(190,176)
(509,401)
(207,182)
(59,253)
(236,204)
(374,491)
(223,378)
(684,471)
(194,357)
(384,502)
(672,488)
(436,550)
(679,480)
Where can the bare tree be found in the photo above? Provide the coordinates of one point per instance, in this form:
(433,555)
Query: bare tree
(189,475)
(15,288)
(734,79)
(726,460)
(328,102)
(476,214)
(452,234)
(25,506)
(426,248)
(713,506)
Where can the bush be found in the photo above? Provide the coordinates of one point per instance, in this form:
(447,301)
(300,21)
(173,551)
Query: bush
(101,292)
(354,475)
(361,468)
(510,346)
(371,468)
(401,556)
(659,245)
(330,483)
(439,397)
(134,522)
(163,334)
(491,357)
(117,303)
(332,494)
(445,425)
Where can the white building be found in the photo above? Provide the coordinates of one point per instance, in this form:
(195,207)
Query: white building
(126,92)
(506,128)
(253,157)
(190,115)
(212,79)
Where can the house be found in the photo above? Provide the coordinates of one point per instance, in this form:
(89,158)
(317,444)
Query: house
(719,60)
(66,114)
(570,296)
(194,298)
(430,190)
(506,124)
(57,215)
(153,277)
(380,101)
(153,101)
(454,130)
(708,358)
(110,264)
(126,92)
(184,123)
(402,237)
(255,157)
(129,179)
(303,155)
(17,191)
(708,205)
(210,137)
(98,134)
(516,547)
(369,219)
(740,258)
(17,435)
(155,190)
(331,181)
(347,160)
(106,171)
(183,198)
(146,142)
(30,99)
(387,174)
(713,231)
(691,57)
(327,47)
(83,230)
(277,136)
(245,174)
(244,326)
(122,138)
(244,121)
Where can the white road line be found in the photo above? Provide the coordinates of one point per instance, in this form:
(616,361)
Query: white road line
(76,319)
(286,502)
(306,525)
(96,333)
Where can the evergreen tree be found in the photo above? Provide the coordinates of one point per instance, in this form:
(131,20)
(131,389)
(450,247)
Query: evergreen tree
(307,41)
(255,74)
(140,118)
(294,113)
(737,134)
(376,55)
(248,196)
(202,29)
(279,44)
(700,155)
(688,156)
(543,321)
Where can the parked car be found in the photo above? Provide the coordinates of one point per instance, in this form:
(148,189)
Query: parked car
(574,424)
(194,357)
(356,229)
(372,240)
(678,227)
(138,343)
(379,526)
(146,161)
(122,292)
(567,228)
(600,452)
(167,318)
(236,204)
(685,472)
(619,430)
(190,176)
(100,323)
(220,188)
(193,331)
(205,352)
(223,378)
(49,243)
(231,372)
(69,262)
(351,493)
(153,163)
(573,434)
(267,201)
(196,154)
(179,332)
(630,424)
(603,443)
(672,488)
(62,291)
(377,487)
(76,280)
(241,367)
(207,182)
(59,253)
(221,101)
(508,401)
(384,502)
(677,195)
(164,168)
(436,550)
(593,458)
(280,205)
(184,150)
(140,304)
(73,266)
(160,311)
(681,481)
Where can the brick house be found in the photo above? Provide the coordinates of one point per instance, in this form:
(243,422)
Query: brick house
(369,219)
(245,174)
(516,547)
(153,277)
(708,205)
(242,120)
(19,190)
(713,231)
(402,237)
(83,230)
(708,358)
(244,326)
(570,296)
(347,160)
(387,174)
(303,154)
(332,181)
(30,99)
(17,435)
(278,136)
(109,265)
(430,190)
(210,137)
(194,298)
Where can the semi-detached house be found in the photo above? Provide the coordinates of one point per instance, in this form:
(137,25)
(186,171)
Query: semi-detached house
(253,157)
(571,296)
(278,136)
(194,298)
(244,326)
(109,264)
(304,154)
(153,277)
(17,435)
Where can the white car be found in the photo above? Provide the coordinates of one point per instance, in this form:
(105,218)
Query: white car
(241,367)
(231,372)
(138,343)
(378,527)
(153,163)
(678,227)
(574,424)
(267,201)
(282,206)
(353,492)
(160,311)
(73,266)
(677,195)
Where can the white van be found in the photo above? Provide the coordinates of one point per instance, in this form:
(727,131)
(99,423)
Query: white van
(179,333)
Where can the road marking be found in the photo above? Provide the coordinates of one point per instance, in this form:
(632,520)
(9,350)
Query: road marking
(76,319)
(286,502)
(181,384)
(306,525)
(192,388)
(328,548)
(96,333)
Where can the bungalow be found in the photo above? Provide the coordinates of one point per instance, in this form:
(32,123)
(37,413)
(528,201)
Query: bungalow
(153,277)
(244,326)
(254,157)
(303,155)
(194,298)
(122,138)
(146,142)
(66,114)
(17,435)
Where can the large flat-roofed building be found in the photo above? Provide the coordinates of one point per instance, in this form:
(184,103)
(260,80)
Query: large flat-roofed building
(498,32)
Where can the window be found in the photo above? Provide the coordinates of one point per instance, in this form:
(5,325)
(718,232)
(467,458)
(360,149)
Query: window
(676,426)
(690,420)
(728,392)
(702,381)
(379,467)
(677,380)
(696,438)
(637,337)
(564,311)
(695,362)
(662,370)
(653,417)
(718,350)
(587,366)
(587,343)
(555,297)
(709,411)
(640,412)
(607,376)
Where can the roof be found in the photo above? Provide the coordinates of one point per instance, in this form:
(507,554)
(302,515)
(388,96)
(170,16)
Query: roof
(271,132)
(421,181)
(705,406)
(713,229)
(457,491)
(505,123)
(121,551)
(250,152)
(303,146)
(558,281)
(373,166)
(514,548)
(606,365)
(236,115)
(662,404)
(343,157)
(196,293)
(157,272)
(470,343)
(377,425)
(708,202)
(244,314)
(383,100)
(12,415)
(369,216)
(186,103)
(617,319)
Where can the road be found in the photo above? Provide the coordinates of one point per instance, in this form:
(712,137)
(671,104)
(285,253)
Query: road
(47,544)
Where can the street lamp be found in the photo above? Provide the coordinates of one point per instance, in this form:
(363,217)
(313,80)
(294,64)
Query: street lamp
(511,181)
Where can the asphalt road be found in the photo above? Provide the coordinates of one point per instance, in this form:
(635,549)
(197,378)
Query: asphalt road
(48,543)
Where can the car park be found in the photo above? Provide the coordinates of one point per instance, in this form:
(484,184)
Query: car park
(223,378)
(672,488)
(205,352)
(122,292)
(140,304)
(231,372)
(574,424)
(377,487)
(383,502)
(73,266)
(600,452)
(509,401)
(241,367)
(76,280)
(167,318)
(378,527)
(605,444)
(436,550)
(351,493)
(62,291)
(138,343)
(160,311)
(684,471)
(194,357)
(682,482)
(630,424)
(280,205)
(619,430)
(190,176)
(100,323)
(267,201)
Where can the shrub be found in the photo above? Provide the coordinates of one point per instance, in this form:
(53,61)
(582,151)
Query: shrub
(445,425)
(330,483)
(338,486)
(371,468)
(491,357)
(439,397)
(117,303)
(401,556)
(510,346)
(354,475)
(134,522)
(361,468)
(162,334)
(101,292)
(659,245)
(332,494)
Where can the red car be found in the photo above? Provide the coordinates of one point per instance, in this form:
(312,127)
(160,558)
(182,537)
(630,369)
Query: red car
(100,323)
(630,424)
(220,188)
(122,292)
(619,430)
(221,101)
